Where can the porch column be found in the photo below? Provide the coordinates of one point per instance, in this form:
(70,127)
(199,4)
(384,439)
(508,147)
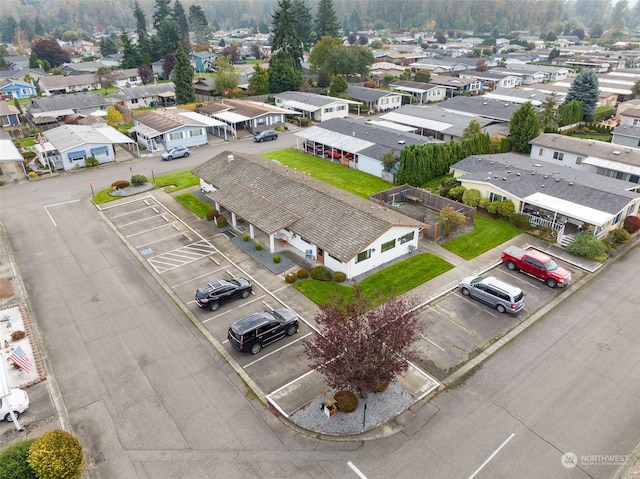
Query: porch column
(233,219)
(272,244)
(251,231)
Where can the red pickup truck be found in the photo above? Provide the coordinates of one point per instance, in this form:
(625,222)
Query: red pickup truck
(538,265)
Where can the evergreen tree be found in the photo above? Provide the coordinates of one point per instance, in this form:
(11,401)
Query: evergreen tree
(8,29)
(225,77)
(585,89)
(167,38)
(161,11)
(108,46)
(327,24)
(183,77)
(131,57)
(259,81)
(145,44)
(34,62)
(570,113)
(355,20)
(284,73)
(304,24)
(199,25)
(523,127)
(285,70)
(548,119)
(37,27)
(180,18)
(473,128)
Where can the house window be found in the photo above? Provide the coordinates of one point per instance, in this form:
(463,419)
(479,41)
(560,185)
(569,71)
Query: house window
(636,122)
(77,156)
(175,136)
(134,101)
(497,197)
(541,152)
(341,107)
(634,179)
(408,237)
(197,132)
(366,254)
(558,156)
(579,160)
(328,109)
(388,245)
(617,218)
(100,153)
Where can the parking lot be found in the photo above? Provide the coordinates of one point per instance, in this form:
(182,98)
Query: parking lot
(185,261)
(459,327)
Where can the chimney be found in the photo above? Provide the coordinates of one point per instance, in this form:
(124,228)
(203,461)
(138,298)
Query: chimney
(230,158)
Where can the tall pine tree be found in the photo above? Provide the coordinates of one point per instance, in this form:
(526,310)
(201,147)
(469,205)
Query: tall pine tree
(327,24)
(183,77)
(161,10)
(180,18)
(524,127)
(285,70)
(585,89)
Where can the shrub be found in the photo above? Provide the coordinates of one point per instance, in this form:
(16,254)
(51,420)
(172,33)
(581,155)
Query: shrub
(276,258)
(245,237)
(120,184)
(346,401)
(492,207)
(472,197)
(457,192)
(32,174)
(616,237)
(17,335)
(304,121)
(56,455)
(303,273)
(339,277)
(519,221)
(212,214)
(506,208)
(91,161)
(290,278)
(321,273)
(258,247)
(587,246)
(221,221)
(447,184)
(137,180)
(13,461)
(632,224)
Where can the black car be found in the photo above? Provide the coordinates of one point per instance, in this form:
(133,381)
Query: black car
(260,329)
(212,295)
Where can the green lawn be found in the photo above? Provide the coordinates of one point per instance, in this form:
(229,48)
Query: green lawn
(488,234)
(194,204)
(354,181)
(391,281)
(171,182)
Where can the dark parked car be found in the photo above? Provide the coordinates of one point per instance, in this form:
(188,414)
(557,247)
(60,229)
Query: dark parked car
(177,152)
(265,135)
(260,329)
(212,295)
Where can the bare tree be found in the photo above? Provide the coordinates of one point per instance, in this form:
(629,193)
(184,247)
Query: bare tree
(361,348)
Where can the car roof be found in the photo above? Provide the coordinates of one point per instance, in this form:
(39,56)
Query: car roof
(250,322)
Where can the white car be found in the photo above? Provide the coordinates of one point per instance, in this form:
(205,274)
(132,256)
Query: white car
(17,401)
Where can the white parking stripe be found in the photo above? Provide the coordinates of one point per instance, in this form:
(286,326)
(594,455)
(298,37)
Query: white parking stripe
(491,456)
(356,470)
(230,310)
(436,345)
(210,273)
(277,350)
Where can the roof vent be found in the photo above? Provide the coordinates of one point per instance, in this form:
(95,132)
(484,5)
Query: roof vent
(616,152)
(517,174)
(557,180)
(537,165)
(230,158)
(485,103)
(571,183)
(504,179)
(542,186)
(546,176)
(401,142)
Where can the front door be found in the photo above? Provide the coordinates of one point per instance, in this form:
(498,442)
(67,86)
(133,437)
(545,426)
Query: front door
(320,257)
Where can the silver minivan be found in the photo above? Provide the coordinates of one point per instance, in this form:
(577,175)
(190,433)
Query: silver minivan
(494,292)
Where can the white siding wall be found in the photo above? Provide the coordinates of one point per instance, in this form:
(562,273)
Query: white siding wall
(370,165)
(544,153)
(334,110)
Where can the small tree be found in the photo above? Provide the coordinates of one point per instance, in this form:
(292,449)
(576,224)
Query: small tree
(389,160)
(338,86)
(13,461)
(585,88)
(588,246)
(56,455)
(635,89)
(450,219)
(361,346)
(473,128)
(114,117)
(524,127)
(472,197)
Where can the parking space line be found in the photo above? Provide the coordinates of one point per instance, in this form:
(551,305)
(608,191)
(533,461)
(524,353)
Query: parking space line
(277,350)
(137,222)
(159,240)
(130,212)
(233,309)
(436,345)
(147,231)
(491,456)
(46,208)
(356,470)
(195,278)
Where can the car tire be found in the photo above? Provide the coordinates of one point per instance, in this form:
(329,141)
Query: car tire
(256,348)
(261,140)
(245,294)
(275,137)
(465,292)
(552,283)
(291,330)
(186,154)
(215,306)
(8,416)
(500,308)
(511,265)
(169,158)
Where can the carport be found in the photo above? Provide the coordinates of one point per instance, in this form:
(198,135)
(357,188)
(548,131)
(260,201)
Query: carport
(337,141)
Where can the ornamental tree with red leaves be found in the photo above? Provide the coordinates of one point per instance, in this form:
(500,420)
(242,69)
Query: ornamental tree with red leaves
(49,50)
(362,347)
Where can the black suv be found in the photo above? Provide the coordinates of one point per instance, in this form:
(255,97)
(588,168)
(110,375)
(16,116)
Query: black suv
(260,329)
(212,295)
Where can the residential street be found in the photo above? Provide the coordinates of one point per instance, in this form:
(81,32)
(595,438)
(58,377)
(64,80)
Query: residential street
(149,397)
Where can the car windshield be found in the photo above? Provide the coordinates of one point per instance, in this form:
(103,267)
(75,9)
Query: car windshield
(551,265)
(477,280)
(277,316)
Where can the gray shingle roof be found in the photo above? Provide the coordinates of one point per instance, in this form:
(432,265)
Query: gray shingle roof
(593,148)
(273,197)
(514,174)
(65,102)
(309,98)
(367,94)
(627,130)
(484,107)
(142,91)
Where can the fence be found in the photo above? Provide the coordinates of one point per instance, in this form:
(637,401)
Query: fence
(423,206)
